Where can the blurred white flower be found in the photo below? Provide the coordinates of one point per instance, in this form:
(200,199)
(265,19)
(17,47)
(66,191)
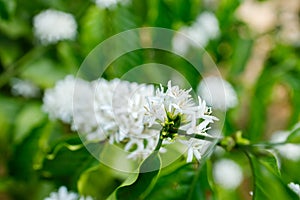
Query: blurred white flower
(218,93)
(175,109)
(227,174)
(119,107)
(24,88)
(109,3)
(62,194)
(204,29)
(51,26)
(58,101)
(295,188)
(289,151)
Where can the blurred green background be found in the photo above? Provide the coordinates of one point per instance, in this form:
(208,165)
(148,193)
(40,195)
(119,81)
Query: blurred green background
(257,50)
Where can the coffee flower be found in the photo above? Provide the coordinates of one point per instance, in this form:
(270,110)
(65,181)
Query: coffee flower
(119,109)
(24,88)
(177,113)
(64,194)
(130,114)
(204,29)
(228,174)
(51,26)
(109,4)
(218,93)
(295,188)
(58,101)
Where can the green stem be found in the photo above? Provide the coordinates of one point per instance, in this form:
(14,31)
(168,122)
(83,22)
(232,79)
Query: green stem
(159,143)
(200,137)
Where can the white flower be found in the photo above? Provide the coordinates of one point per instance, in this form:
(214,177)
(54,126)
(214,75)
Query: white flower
(227,174)
(109,3)
(58,101)
(218,93)
(124,112)
(295,187)
(289,151)
(24,88)
(194,148)
(204,29)
(177,102)
(174,109)
(62,194)
(119,109)
(51,26)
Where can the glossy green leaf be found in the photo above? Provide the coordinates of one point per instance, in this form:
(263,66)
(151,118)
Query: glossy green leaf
(294,136)
(137,186)
(186,182)
(97,181)
(29,117)
(266,178)
(67,161)
(25,156)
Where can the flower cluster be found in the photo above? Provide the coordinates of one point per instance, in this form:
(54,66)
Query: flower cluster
(204,29)
(227,173)
(176,112)
(64,194)
(295,188)
(130,113)
(287,150)
(24,88)
(110,4)
(218,93)
(51,26)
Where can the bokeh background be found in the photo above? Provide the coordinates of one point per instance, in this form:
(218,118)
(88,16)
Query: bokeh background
(255,45)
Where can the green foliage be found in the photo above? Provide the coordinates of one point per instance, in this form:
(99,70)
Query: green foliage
(38,155)
(138,185)
(266,175)
(188,181)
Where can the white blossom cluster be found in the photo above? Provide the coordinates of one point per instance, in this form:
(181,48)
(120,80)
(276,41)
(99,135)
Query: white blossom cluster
(218,93)
(287,150)
(64,194)
(103,110)
(24,88)
(295,187)
(165,107)
(204,29)
(51,26)
(129,113)
(110,4)
(227,174)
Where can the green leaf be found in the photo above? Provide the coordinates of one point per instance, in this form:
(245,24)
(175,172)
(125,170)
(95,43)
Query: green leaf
(29,117)
(67,161)
(186,182)
(294,136)
(241,56)
(25,156)
(267,180)
(97,181)
(139,185)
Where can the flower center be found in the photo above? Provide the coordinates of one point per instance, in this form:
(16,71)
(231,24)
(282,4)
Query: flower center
(171,126)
